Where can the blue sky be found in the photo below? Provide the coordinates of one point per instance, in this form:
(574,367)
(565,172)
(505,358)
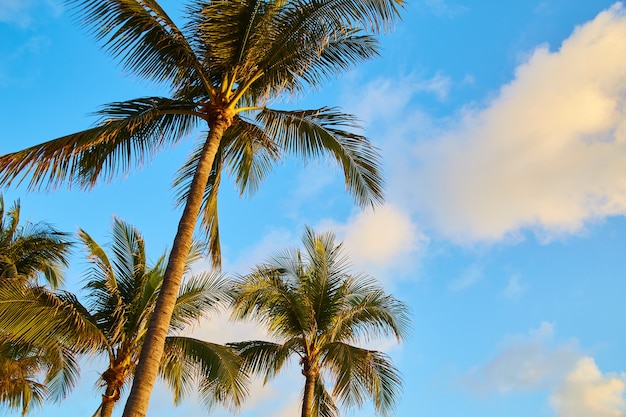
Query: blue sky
(503,131)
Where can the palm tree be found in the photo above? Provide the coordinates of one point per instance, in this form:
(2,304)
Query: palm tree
(227,63)
(30,372)
(21,366)
(316,310)
(31,250)
(121,293)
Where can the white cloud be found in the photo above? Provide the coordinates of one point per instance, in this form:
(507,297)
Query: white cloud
(525,362)
(383,242)
(547,153)
(586,392)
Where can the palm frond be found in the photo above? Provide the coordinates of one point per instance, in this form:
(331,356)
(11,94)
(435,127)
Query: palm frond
(323,403)
(129,134)
(369,313)
(219,370)
(35,315)
(361,373)
(266,358)
(31,250)
(199,296)
(142,36)
(315,133)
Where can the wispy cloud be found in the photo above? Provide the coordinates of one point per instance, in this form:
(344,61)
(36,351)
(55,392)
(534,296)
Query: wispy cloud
(525,362)
(442,8)
(468,278)
(20,12)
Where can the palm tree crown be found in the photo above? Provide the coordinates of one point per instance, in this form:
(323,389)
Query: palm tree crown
(31,250)
(316,310)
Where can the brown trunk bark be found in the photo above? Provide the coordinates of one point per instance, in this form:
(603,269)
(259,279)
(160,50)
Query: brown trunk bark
(109,399)
(152,350)
(309,389)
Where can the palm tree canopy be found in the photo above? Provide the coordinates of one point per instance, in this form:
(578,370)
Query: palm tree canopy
(122,287)
(228,62)
(31,250)
(316,309)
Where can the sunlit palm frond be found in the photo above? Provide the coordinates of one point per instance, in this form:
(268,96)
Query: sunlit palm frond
(314,133)
(218,368)
(141,35)
(250,154)
(265,291)
(369,313)
(129,134)
(35,315)
(323,403)
(31,250)
(361,373)
(200,295)
(266,358)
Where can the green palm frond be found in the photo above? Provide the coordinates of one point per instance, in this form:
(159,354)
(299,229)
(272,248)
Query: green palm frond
(129,134)
(199,296)
(266,358)
(35,315)
(265,291)
(370,313)
(218,368)
(315,133)
(323,403)
(141,35)
(362,373)
(31,250)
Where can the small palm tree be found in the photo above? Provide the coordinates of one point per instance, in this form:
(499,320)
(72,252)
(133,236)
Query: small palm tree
(121,293)
(21,368)
(31,250)
(316,310)
(32,372)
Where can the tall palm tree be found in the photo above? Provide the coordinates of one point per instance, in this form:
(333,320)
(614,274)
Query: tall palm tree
(121,292)
(224,66)
(316,310)
(30,372)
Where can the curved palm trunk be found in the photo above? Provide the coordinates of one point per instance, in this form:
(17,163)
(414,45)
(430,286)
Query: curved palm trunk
(153,346)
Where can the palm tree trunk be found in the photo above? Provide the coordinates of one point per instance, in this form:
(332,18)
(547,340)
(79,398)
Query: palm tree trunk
(153,346)
(108,402)
(307,400)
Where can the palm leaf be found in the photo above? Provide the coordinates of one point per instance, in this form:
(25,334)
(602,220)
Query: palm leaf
(360,373)
(314,133)
(129,134)
(219,369)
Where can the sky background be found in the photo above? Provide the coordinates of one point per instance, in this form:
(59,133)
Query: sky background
(502,127)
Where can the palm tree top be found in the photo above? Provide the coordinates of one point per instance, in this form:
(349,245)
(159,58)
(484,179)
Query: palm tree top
(315,308)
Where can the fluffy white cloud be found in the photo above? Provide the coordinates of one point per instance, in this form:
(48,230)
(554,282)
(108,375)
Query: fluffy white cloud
(382,242)
(548,153)
(525,362)
(586,392)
